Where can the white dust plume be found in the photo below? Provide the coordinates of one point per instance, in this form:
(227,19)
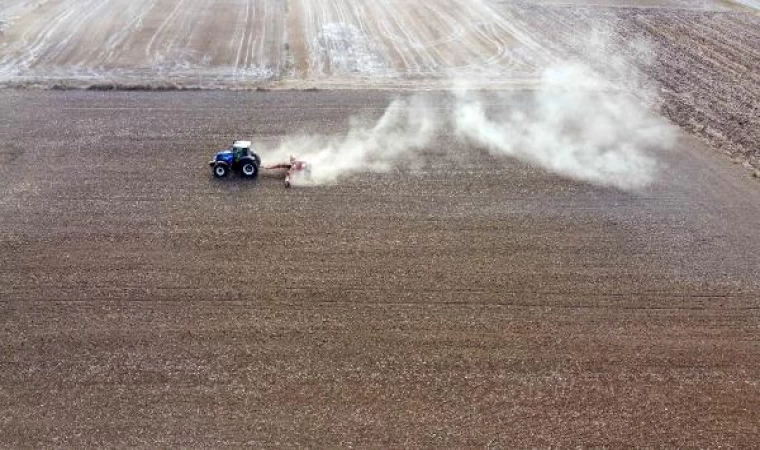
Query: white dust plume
(575,125)
(406,127)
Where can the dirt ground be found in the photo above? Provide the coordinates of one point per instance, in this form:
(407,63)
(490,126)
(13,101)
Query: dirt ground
(482,303)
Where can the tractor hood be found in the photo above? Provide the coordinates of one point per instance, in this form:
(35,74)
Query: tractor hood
(223,155)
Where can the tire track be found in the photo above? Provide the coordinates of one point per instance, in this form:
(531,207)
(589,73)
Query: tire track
(137,11)
(28,53)
(243,45)
(55,53)
(431,38)
(149,49)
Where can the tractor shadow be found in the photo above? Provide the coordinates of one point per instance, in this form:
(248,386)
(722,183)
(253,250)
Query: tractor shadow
(234,183)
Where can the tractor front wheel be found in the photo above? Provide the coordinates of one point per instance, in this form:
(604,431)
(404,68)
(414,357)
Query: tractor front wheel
(221,170)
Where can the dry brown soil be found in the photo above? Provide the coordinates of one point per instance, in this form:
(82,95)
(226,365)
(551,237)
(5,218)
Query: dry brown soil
(482,303)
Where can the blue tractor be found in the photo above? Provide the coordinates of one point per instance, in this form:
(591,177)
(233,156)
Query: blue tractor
(239,158)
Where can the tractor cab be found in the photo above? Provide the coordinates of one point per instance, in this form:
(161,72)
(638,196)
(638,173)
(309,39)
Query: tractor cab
(241,149)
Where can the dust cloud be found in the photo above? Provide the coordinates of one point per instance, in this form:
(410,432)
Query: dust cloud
(577,123)
(574,125)
(406,127)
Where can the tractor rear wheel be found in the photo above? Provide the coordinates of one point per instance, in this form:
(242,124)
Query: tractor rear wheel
(221,170)
(249,168)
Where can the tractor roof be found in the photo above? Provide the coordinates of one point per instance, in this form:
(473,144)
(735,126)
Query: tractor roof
(241,144)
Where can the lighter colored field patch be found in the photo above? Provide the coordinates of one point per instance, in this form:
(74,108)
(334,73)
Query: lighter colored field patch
(142,39)
(230,42)
(297,43)
(405,38)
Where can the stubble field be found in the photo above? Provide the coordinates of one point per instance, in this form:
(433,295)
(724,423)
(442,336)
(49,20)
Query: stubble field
(244,43)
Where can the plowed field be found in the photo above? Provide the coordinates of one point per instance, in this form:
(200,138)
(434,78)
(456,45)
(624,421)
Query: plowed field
(482,303)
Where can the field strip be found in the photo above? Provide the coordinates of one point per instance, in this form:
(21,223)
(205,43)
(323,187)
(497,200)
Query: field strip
(437,38)
(246,39)
(324,43)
